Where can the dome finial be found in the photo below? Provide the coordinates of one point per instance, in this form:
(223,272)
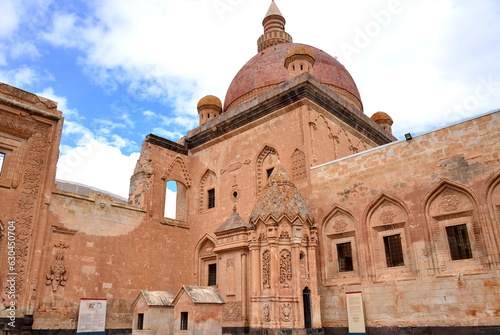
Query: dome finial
(273,22)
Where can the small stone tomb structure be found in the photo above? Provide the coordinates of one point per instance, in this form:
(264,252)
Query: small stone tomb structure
(153,313)
(198,310)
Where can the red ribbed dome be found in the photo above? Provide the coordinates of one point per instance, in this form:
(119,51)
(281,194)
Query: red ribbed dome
(267,69)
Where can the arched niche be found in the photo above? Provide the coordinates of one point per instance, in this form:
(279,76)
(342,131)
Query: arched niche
(266,161)
(339,247)
(492,197)
(388,235)
(454,229)
(208,191)
(207,261)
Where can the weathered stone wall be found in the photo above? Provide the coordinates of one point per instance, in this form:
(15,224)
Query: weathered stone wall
(30,128)
(415,189)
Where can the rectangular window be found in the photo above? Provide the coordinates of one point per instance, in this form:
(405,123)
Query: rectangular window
(140,321)
(344,253)
(211,198)
(393,251)
(2,157)
(184,320)
(212,274)
(458,240)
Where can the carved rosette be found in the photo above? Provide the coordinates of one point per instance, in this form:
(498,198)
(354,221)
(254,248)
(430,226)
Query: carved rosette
(449,202)
(57,275)
(266,269)
(387,217)
(285,268)
(286,312)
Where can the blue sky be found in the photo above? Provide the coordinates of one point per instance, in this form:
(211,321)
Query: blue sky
(123,69)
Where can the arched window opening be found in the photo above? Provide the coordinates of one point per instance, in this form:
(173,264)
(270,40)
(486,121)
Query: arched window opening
(175,201)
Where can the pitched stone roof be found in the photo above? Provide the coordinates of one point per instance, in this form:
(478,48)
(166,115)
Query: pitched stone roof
(279,198)
(234,222)
(158,298)
(202,294)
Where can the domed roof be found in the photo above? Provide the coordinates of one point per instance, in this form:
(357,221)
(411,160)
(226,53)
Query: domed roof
(267,69)
(209,100)
(381,116)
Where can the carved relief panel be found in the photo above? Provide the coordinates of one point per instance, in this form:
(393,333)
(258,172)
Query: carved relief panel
(285,268)
(57,275)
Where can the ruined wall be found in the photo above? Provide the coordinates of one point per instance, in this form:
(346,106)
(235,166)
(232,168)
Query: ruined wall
(110,251)
(416,189)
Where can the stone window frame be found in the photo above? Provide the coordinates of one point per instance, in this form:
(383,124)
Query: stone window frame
(454,242)
(444,253)
(382,269)
(13,148)
(181,198)
(184,321)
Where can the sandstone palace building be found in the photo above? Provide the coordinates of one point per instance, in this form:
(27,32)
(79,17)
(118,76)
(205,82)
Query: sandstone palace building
(289,199)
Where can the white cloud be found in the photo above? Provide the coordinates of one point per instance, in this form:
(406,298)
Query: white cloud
(9,18)
(99,165)
(19,77)
(62,103)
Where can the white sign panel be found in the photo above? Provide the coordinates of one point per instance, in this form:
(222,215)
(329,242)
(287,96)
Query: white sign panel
(355,313)
(92,316)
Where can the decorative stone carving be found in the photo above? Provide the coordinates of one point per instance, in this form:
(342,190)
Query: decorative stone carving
(284,235)
(57,275)
(387,217)
(230,263)
(207,248)
(286,312)
(340,226)
(298,165)
(272,156)
(266,269)
(449,202)
(232,311)
(266,312)
(285,267)
(180,162)
(30,188)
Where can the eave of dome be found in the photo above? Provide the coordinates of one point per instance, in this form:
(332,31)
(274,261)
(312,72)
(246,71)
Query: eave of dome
(267,69)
